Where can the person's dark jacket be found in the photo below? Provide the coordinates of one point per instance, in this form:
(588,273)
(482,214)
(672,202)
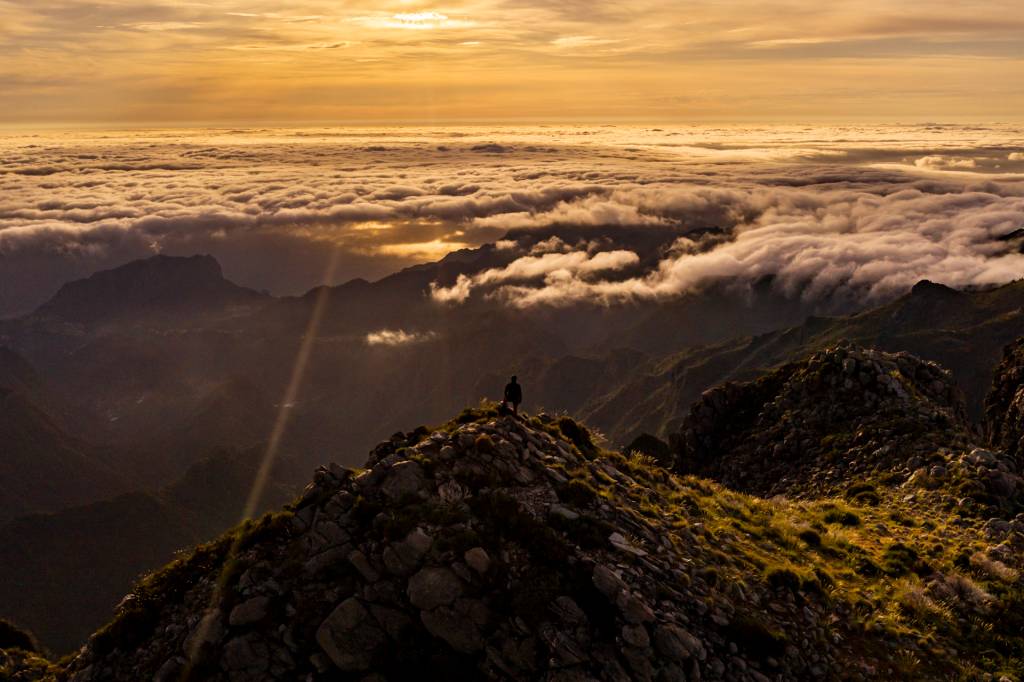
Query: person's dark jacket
(514,393)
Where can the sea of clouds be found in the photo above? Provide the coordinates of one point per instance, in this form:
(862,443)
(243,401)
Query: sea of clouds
(856,213)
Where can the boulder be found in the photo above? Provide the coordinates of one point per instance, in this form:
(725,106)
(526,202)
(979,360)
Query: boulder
(350,637)
(477,559)
(402,558)
(460,632)
(250,611)
(677,644)
(433,587)
(404,478)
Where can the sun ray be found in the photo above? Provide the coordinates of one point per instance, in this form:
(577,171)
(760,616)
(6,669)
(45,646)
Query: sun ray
(270,454)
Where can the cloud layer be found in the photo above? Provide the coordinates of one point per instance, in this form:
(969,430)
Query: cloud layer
(852,211)
(844,247)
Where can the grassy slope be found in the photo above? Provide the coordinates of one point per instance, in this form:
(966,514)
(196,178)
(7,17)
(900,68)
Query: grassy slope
(861,558)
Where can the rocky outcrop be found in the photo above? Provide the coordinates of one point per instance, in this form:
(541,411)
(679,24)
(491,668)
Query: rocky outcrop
(1004,406)
(810,427)
(495,549)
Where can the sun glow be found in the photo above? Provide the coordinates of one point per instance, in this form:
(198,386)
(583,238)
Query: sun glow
(312,60)
(420,20)
(431,250)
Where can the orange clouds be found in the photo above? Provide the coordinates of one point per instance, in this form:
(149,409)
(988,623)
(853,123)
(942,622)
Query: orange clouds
(124,61)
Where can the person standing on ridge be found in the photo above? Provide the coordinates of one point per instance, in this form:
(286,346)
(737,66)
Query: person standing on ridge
(513,396)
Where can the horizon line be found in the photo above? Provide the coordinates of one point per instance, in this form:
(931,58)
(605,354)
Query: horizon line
(249,125)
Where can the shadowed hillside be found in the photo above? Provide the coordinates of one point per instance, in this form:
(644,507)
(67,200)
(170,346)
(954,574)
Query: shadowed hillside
(159,349)
(43,467)
(61,573)
(964,332)
(496,548)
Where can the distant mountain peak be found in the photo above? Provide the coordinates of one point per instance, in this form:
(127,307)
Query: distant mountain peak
(150,285)
(929,288)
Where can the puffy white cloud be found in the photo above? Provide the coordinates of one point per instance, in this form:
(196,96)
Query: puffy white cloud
(942,162)
(841,245)
(398,337)
(555,269)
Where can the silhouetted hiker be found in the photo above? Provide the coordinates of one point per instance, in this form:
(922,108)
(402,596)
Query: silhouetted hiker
(513,395)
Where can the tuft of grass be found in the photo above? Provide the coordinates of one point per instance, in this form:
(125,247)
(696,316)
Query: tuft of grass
(967,592)
(578,493)
(913,603)
(993,568)
(811,537)
(899,559)
(577,434)
(863,493)
(842,517)
(782,577)
(709,574)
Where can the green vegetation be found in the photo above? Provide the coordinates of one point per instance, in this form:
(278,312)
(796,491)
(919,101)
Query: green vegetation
(577,434)
(878,565)
(833,551)
(863,493)
(842,517)
(577,492)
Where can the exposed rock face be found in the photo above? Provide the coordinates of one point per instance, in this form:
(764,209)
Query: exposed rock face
(1004,406)
(811,427)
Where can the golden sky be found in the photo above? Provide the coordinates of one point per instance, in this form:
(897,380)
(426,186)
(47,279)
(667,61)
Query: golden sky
(289,62)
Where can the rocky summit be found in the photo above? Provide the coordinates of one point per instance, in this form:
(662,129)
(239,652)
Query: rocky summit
(809,426)
(498,548)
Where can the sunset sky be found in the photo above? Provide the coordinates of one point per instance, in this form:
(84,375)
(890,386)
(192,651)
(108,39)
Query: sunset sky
(850,147)
(118,62)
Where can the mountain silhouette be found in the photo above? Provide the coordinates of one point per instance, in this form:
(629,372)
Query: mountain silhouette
(156,285)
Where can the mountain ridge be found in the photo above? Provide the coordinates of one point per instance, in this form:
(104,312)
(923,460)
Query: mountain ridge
(165,365)
(501,548)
